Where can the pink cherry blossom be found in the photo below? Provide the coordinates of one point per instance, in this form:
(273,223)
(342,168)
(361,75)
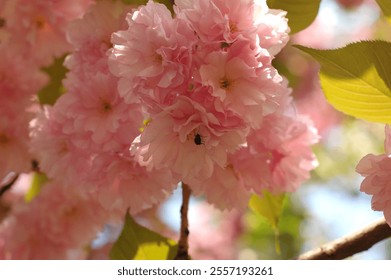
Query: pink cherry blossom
(223,189)
(272,28)
(376,170)
(277,156)
(120,183)
(153,53)
(90,37)
(188,139)
(20,81)
(40,26)
(57,154)
(218,21)
(57,221)
(14,144)
(240,87)
(98,113)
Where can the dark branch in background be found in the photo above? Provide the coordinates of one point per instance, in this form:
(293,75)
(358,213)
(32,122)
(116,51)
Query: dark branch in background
(351,244)
(183,243)
(7,186)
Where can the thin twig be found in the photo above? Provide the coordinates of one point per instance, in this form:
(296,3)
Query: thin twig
(183,243)
(6,187)
(351,244)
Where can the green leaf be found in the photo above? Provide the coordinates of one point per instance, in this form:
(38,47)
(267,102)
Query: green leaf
(139,243)
(168,3)
(356,79)
(39,179)
(52,91)
(301,13)
(269,206)
(385,6)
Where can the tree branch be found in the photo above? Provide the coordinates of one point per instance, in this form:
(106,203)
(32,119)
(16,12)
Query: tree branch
(183,243)
(351,244)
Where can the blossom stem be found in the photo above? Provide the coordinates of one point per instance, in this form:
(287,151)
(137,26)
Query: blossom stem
(351,244)
(183,243)
(6,187)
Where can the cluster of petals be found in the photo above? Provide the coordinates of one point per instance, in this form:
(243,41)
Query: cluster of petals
(19,81)
(213,100)
(32,35)
(57,224)
(192,98)
(82,144)
(84,138)
(277,157)
(37,28)
(376,170)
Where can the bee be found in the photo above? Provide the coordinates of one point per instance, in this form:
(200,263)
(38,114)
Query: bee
(198,139)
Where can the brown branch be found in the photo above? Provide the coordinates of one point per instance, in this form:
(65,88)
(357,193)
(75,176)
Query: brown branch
(6,187)
(351,244)
(183,243)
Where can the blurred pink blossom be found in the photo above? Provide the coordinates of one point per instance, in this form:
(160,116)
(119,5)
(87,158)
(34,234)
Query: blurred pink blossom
(376,172)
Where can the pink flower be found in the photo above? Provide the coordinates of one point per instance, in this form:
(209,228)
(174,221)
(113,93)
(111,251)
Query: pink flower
(57,222)
(240,87)
(91,35)
(120,183)
(98,119)
(56,153)
(223,188)
(97,112)
(40,26)
(189,140)
(218,21)
(278,156)
(19,83)
(376,170)
(153,53)
(68,216)
(272,28)
(20,79)
(14,144)
(99,22)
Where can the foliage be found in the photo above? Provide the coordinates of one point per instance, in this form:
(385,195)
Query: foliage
(301,13)
(356,79)
(52,91)
(139,243)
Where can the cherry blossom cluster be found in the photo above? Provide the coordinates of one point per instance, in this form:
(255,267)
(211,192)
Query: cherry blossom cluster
(151,100)
(376,170)
(32,34)
(219,115)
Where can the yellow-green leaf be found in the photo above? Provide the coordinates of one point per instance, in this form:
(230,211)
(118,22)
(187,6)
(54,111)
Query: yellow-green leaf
(269,206)
(356,79)
(385,6)
(139,243)
(301,13)
(52,91)
(39,179)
